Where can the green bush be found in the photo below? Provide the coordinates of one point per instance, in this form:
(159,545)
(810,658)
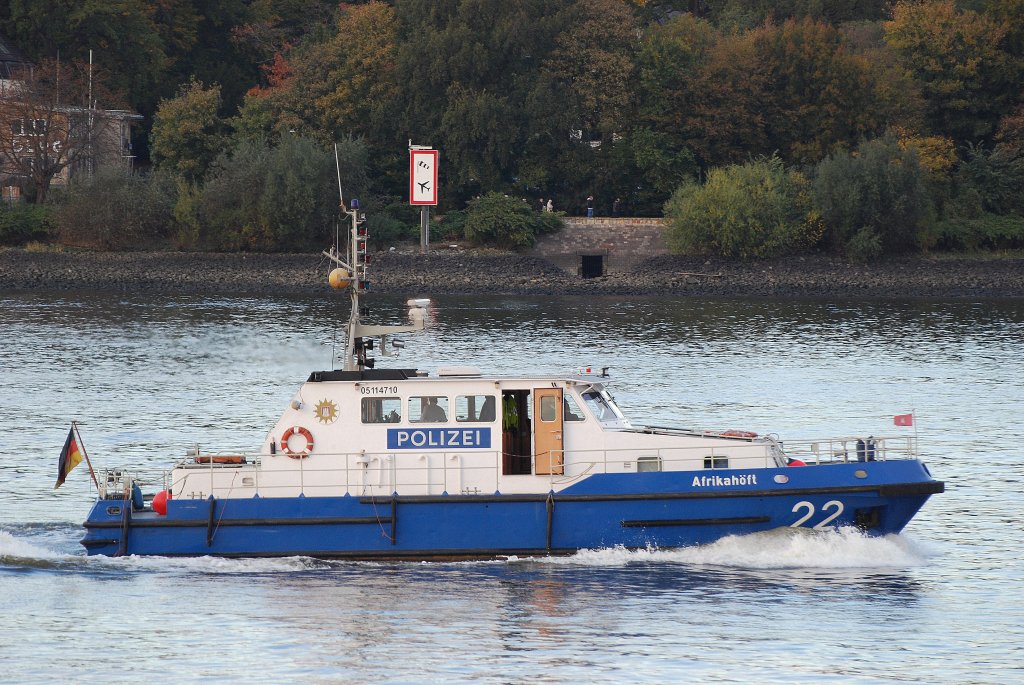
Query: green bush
(116,209)
(452,227)
(758,209)
(864,246)
(988,231)
(995,179)
(498,220)
(879,191)
(391,220)
(23,223)
(282,198)
(384,230)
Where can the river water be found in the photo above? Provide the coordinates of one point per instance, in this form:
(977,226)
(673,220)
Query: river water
(149,376)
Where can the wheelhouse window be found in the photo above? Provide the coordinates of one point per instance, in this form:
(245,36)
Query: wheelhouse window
(382,410)
(475,408)
(428,409)
(570,410)
(601,407)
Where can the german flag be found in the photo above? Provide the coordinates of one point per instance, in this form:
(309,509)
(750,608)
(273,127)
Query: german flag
(70,457)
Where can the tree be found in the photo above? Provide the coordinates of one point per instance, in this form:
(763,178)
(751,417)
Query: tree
(592,66)
(995,177)
(817,96)
(1010,133)
(279,197)
(118,209)
(758,209)
(958,59)
(478,61)
(333,87)
(875,200)
(746,14)
(671,56)
(188,133)
(46,125)
(122,34)
(700,88)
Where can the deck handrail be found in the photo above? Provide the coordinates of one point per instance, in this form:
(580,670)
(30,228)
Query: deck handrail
(364,473)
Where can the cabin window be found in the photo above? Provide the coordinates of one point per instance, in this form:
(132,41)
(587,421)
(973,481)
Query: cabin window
(382,409)
(716,462)
(428,409)
(570,410)
(548,408)
(600,407)
(475,408)
(648,463)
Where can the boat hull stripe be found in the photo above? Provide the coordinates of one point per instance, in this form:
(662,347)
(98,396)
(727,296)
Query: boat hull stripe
(893,490)
(664,523)
(201,523)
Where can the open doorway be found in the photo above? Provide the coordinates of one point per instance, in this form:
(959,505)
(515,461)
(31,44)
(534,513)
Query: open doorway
(591,265)
(515,432)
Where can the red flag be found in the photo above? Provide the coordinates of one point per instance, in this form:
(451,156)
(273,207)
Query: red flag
(903,420)
(70,457)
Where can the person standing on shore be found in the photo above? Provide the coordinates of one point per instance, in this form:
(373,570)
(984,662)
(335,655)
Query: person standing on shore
(550,206)
(615,206)
(590,206)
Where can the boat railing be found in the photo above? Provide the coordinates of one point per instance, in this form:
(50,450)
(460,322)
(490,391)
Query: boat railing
(482,472)
(851,449)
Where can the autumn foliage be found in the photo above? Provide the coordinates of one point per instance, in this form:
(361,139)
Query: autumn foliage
(868,128)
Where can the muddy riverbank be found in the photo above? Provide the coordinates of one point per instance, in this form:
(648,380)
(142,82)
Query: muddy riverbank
(461,271)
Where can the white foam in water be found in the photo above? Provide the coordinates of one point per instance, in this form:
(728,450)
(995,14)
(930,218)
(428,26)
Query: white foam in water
(783,548)
(211,564)
(17,548)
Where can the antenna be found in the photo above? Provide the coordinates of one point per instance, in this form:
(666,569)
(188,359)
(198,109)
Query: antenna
(337,165)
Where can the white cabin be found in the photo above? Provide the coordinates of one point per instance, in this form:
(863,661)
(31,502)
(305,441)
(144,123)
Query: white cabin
(400,431)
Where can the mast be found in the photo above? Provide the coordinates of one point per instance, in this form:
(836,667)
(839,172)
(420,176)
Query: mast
(352,275)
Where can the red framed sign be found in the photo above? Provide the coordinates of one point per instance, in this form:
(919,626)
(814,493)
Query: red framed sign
(423,177)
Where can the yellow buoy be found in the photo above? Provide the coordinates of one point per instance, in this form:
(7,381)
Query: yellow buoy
(339,279)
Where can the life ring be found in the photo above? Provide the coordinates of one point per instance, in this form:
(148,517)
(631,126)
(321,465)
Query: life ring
(287,436)
(737,434)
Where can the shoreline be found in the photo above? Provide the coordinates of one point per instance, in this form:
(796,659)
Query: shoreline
(448,271)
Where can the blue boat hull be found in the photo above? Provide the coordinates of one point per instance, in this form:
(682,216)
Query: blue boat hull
(662,510)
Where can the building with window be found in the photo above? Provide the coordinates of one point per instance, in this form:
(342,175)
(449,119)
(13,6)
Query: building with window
(45,142)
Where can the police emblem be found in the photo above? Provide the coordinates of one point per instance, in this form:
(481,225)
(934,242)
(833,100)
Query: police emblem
(326,411)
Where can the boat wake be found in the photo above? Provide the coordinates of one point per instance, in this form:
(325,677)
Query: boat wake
(783,548)
(32,551)
(17,551)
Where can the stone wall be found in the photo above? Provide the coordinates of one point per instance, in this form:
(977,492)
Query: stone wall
(622,242)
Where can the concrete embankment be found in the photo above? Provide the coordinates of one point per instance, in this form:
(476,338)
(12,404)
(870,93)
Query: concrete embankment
(458,271)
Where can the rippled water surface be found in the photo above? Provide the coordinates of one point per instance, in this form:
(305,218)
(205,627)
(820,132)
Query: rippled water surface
(149,377)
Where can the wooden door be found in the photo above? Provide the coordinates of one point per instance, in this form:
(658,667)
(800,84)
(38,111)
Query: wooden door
(547,431)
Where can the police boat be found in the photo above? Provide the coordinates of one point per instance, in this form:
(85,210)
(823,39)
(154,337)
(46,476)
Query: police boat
(401,463)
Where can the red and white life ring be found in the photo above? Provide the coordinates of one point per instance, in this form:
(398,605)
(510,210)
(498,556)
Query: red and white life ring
(301,454)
